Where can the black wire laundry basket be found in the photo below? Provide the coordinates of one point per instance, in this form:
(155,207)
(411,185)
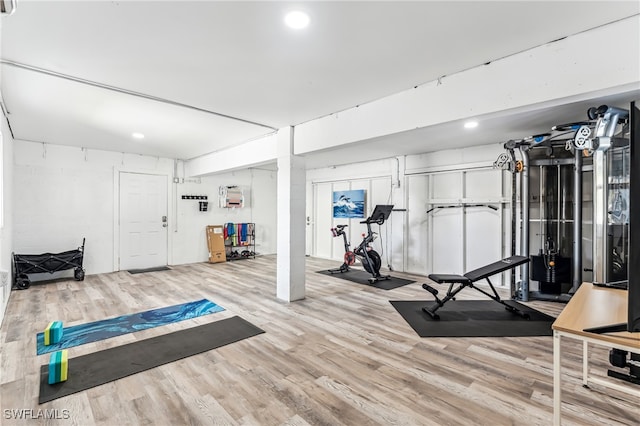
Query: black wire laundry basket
(25,264)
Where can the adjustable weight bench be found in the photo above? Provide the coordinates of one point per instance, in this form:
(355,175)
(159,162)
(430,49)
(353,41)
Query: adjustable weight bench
(468,279)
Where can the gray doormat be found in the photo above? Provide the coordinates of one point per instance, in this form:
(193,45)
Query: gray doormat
(142,271)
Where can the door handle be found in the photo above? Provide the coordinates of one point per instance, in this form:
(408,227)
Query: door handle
(164,225)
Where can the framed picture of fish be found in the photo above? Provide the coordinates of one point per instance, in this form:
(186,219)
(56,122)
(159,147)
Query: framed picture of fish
(349,204)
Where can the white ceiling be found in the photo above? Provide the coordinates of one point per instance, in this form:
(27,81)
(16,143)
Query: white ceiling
(196,77)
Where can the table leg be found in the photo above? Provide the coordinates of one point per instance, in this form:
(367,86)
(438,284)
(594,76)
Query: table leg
(585,363)
(557,400)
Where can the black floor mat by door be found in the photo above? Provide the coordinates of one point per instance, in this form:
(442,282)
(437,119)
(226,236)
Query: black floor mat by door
(155,269)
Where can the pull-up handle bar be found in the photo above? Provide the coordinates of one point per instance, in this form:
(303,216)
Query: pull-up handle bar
(453,206)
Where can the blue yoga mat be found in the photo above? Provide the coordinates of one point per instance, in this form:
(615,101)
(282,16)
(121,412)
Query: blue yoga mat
(112,327)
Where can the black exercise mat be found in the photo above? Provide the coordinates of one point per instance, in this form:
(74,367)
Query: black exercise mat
(473,318)
(142,271)
(101,367)
(361,277)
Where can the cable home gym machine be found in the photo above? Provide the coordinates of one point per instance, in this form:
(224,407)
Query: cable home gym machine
(610,145)
(577,168)
(369,258)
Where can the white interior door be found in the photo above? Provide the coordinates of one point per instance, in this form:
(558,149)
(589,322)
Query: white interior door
(323,240)
(143,221)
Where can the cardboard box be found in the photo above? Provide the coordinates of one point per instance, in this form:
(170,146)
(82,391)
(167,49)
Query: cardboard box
(217,256)
(215,243)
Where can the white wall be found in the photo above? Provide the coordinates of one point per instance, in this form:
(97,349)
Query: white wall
(379,179)
(377,191)
(451,240)
(67,193)
(6,229)
(445,240)
(264,209)
(6,206)
(259,188)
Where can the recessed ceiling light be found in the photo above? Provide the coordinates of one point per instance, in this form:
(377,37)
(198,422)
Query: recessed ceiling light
(470,124)
(137,135)
(296,20)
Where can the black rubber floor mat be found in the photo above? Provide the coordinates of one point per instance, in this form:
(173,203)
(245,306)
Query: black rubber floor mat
(473,318)
(88,371)
(362,277)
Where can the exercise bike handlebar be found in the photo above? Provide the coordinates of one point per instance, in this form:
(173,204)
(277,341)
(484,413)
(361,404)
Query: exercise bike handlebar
(380,213)
(369,220)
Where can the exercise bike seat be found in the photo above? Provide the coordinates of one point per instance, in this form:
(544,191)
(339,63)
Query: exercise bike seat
(449,278)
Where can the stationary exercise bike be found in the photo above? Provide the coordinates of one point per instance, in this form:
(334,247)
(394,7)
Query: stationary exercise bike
(369,258)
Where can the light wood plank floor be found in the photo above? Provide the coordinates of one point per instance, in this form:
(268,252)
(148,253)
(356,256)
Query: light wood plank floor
(341,356)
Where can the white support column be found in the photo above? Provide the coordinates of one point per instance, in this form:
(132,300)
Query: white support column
(291,220)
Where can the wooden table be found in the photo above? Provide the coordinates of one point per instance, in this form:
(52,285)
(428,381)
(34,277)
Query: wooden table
(591,306)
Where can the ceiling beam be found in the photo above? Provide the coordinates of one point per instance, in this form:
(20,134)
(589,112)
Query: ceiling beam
(126,91)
